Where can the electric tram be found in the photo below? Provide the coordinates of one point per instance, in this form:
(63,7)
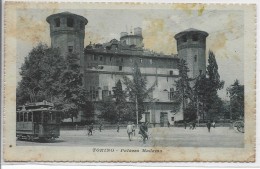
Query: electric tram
(37,121)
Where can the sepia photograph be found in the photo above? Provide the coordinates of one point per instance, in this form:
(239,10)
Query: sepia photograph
(130,78)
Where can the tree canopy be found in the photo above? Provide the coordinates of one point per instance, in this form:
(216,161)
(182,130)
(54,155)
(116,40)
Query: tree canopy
(46,75)
(236,94)
(137,89)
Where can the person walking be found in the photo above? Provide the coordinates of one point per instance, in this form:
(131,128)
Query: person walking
(193,125)
(208,126)
(168,124)
(90,129)
(100,127)
(185,124)
(143,131)
(214,124)
(118,127)
(129,130)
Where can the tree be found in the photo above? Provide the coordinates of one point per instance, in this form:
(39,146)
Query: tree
(137,90)
(116,108)
(213,85)
(236,92)
(183,93)
(74,95)
(120,101)
(107,108)
(40,75)
(206,88)
(46,75)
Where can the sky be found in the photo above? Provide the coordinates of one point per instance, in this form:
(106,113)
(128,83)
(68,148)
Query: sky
(225,28)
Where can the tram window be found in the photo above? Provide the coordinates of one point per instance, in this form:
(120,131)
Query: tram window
(25,117)
(30,116)
(17,117)
(21,116)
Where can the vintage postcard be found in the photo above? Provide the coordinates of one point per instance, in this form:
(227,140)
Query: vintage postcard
(129,82)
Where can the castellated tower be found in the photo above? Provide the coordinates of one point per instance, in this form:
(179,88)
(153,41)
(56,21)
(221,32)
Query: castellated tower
(67,31)
(191,46)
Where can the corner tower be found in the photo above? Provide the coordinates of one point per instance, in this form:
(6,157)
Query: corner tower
(67,31)
(191,47)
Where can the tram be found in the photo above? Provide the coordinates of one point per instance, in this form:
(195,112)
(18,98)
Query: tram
(37,121)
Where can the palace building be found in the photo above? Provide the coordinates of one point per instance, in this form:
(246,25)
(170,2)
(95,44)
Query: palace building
(104,64)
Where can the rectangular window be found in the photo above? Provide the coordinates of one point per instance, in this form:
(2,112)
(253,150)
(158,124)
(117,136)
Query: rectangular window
(70,49)
(57,22)
(122,59)
(17,117)
(100,58)
(195,58)
(151,61)
(171,93)
(30,116)
(21,116)
(25,117)
(147,117)
(171,72)
(172,118)
(104,94)
(95,57)
(70,22)
(120,68)
(110,58)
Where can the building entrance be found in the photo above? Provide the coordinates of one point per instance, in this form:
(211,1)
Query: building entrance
(163,119)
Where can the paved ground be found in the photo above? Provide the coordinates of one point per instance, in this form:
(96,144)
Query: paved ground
(171,137)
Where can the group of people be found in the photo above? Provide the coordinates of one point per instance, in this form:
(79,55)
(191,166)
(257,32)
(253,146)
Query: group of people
(193,125)
(130,129)
(143,131)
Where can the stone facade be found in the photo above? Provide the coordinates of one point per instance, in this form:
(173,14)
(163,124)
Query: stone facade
(104,64)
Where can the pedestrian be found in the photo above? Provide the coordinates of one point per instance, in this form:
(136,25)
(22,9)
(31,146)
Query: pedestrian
(90,129)
(213,124)
(100,127)
(185,124)
(168,124)
(193,125)
(129,130)
(208,126)
(133,129)
(118,126)
(143,131)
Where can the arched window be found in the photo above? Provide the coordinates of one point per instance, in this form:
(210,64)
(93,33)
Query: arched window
(195,37)
(57,22)
(70,22)
(184,39)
